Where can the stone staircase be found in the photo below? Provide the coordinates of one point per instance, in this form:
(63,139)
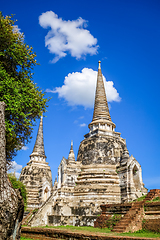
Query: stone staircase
(133,217)
(26,217)
(41,211)
(132,220)
(153,193)
(26,213)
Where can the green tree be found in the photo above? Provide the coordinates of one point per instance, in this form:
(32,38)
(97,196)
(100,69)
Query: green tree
(18,184)
(25,101)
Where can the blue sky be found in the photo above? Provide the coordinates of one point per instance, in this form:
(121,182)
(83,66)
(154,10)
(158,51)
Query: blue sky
(69,38)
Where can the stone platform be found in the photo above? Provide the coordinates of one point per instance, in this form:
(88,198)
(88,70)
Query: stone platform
(51,233)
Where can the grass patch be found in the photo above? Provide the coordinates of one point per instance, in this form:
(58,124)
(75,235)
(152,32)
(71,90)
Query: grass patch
(89,229)
(23,238)
(140,198)
(142,233)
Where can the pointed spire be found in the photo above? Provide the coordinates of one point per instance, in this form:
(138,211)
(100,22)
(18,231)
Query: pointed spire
(99,66)
(101,110)
(39,144)
(71,156)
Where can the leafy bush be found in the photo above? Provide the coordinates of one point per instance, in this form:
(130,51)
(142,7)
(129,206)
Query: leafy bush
(140,198)
(18,184)
(157,199)
(111,222)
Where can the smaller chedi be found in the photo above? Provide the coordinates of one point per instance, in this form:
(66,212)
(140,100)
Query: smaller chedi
(36,176)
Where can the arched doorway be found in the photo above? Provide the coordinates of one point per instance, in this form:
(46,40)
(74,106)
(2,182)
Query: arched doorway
(46,193)
(136,179)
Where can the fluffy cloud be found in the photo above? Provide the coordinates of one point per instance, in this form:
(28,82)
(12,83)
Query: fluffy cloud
(16,29)
(25,148)
(67,36)
(82,125)
(79,88)
(15,168)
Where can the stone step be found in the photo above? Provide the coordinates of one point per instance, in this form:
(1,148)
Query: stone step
(35,189)
(133,212)
(32,202)
(33,194)
(123,224)
(152,212)
(33,198)
(128,218)
(118,229)
(25,213)
(125,219)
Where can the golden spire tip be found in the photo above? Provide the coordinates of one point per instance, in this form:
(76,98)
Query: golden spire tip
(99,67)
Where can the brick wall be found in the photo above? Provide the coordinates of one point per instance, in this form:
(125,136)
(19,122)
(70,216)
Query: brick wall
(151,225)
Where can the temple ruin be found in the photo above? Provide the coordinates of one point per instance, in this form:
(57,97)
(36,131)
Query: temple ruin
(103,173)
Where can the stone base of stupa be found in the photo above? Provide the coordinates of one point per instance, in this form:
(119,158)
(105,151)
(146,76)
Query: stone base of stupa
(38,181)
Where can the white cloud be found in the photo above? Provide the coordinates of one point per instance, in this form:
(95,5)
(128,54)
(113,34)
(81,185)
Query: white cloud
(25,148)
(16,29)
(79,88)
(15,168)
(17,175)
(67,36)
(82,125)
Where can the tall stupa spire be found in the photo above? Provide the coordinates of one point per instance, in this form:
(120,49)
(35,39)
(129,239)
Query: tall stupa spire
(101,110)
(39,144)
(101,116)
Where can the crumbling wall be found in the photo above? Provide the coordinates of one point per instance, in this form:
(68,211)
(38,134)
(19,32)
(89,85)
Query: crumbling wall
(11,202)
(151,220)
(101,150)
(151,225)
